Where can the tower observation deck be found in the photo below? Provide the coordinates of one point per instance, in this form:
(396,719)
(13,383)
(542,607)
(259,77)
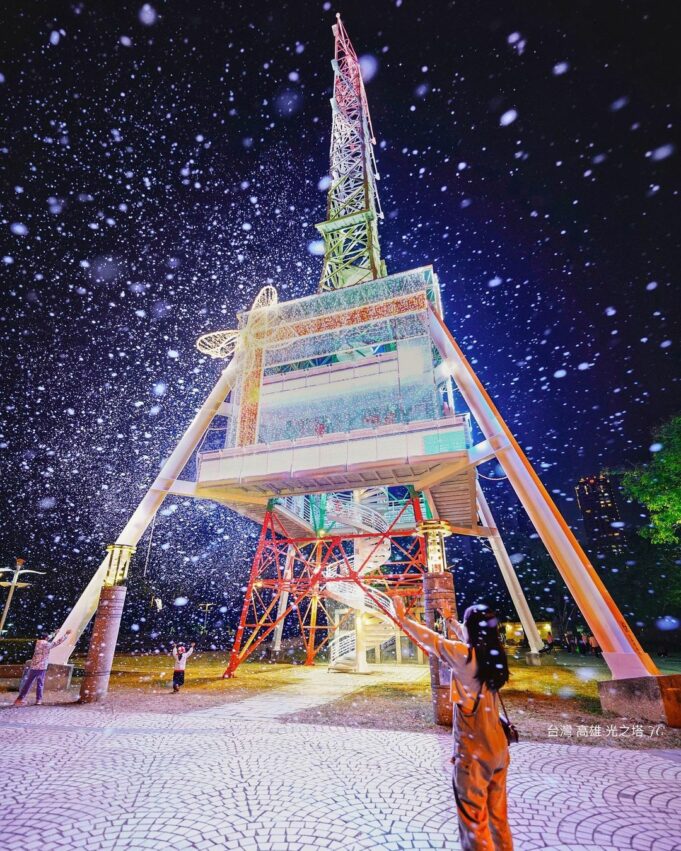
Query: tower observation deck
(333,426)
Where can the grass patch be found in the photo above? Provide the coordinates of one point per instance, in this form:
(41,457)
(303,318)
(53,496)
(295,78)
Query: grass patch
(143,683)
(545,703)
(203,676)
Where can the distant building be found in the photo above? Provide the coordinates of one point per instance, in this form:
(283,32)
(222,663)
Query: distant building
(602,521)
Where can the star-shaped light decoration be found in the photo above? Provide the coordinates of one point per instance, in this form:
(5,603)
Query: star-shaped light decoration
(223,344)
(247,345)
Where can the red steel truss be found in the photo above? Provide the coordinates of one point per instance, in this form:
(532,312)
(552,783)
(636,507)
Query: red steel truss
(292,575)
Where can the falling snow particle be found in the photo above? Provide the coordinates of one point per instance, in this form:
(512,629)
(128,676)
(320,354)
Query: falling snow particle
(369,67)
(667,623)
(147,15)
(618,104)
(662,152)
(508,117)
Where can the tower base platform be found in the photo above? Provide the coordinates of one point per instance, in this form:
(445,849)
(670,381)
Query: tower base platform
(655,698)
(58,676)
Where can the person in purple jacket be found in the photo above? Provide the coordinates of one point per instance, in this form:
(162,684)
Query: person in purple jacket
(38,667)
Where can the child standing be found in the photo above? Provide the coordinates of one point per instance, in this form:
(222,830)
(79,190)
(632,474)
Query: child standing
(180,654)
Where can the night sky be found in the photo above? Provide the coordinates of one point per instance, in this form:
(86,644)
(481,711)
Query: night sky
(162,162)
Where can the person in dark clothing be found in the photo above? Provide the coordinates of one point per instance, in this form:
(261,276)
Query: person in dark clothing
(548,644)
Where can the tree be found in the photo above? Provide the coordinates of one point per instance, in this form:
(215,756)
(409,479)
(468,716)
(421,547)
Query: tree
(657,485)
(644,580)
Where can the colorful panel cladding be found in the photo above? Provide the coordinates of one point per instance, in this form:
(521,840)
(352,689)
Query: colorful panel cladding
(358,391)
(342,361)
(361,295)
(250,399)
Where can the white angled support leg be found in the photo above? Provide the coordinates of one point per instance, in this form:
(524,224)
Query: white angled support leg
(82,612)
(508,573)
(361,666)
(621,650)
(398,645)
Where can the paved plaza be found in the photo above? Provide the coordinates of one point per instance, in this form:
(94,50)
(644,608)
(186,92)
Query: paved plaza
(238,776)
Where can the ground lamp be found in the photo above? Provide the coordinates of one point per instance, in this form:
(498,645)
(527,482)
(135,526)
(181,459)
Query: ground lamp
(13,584)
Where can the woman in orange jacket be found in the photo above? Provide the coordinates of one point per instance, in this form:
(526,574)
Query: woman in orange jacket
(479,667)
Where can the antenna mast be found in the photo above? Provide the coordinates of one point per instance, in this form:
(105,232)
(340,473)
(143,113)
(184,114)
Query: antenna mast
(352,254)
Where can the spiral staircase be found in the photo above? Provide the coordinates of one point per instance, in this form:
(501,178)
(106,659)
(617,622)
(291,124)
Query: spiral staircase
(370,554)
(367,510)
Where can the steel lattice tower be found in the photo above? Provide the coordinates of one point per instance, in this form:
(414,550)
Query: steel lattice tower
(352,253)
(339,436)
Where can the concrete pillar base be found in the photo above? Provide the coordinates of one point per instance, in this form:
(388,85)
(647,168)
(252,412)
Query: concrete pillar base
(439,588)
(103,644)
(58,677)
(443,711)
(654,698)
(533,658)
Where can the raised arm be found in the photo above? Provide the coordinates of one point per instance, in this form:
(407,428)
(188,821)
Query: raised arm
(454,627)
(452,653)
(57,640)
(426,637)
(457,628)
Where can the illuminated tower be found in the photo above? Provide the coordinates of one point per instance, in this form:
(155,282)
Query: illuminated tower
(339,436)
(352,253)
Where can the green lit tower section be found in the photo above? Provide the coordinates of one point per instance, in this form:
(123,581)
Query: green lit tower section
(352,254)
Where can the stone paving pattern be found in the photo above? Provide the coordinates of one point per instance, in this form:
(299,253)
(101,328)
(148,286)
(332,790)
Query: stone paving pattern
(235,777)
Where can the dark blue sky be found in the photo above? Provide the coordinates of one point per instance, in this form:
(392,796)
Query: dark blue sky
(162,164)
